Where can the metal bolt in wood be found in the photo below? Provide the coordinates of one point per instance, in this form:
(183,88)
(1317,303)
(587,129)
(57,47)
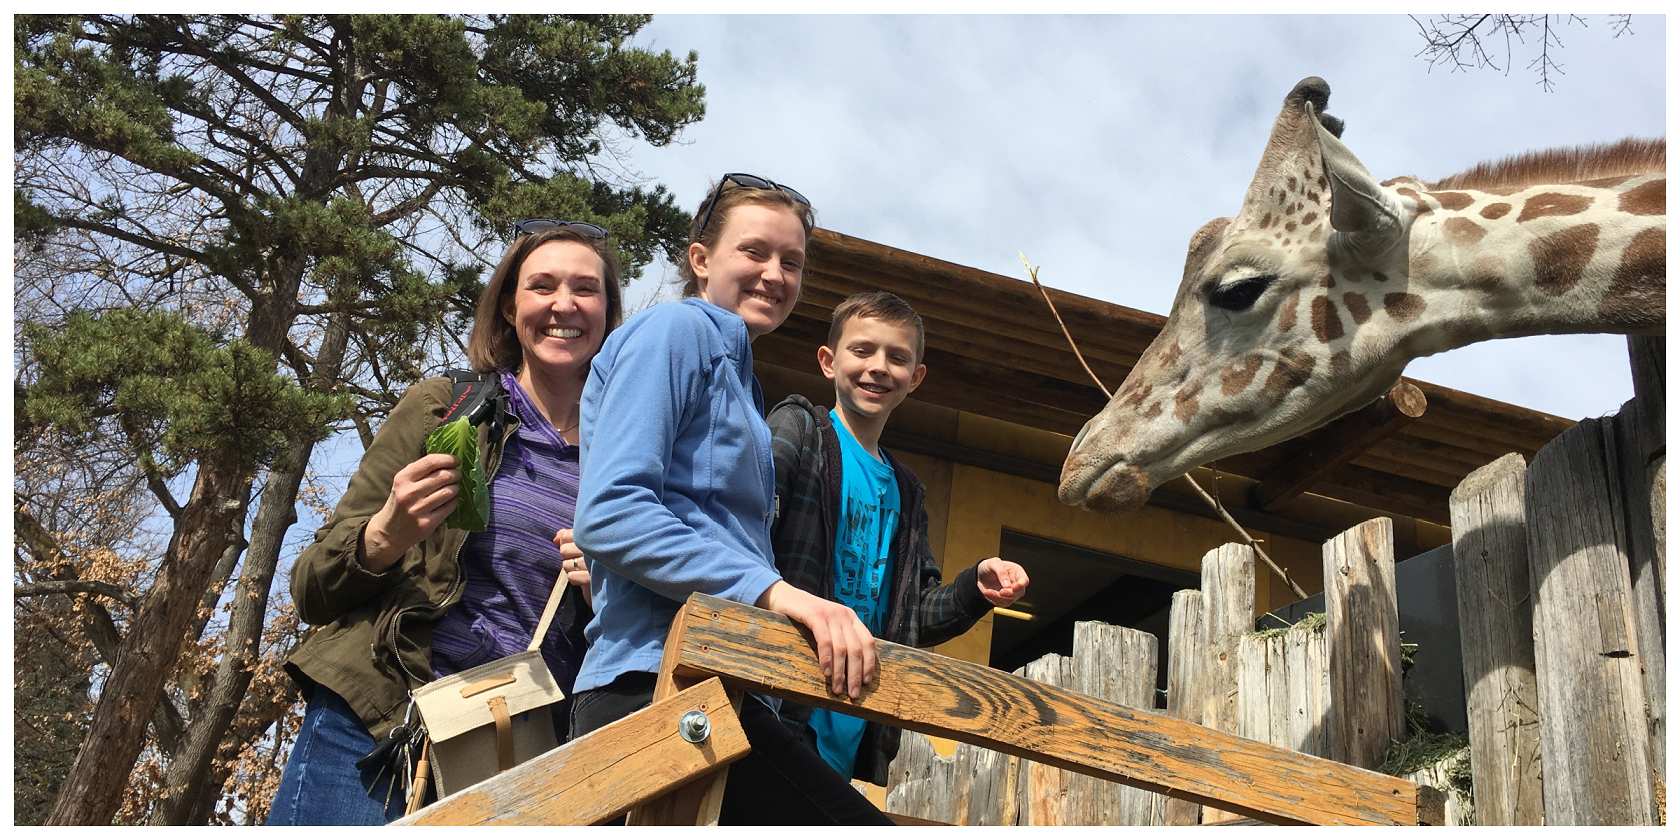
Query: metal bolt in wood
(695,727)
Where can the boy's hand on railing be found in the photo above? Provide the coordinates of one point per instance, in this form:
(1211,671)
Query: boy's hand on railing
(572,564)
(1001,581)
(845,648)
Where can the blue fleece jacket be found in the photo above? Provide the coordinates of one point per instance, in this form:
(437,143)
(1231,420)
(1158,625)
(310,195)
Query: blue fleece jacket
(677,486)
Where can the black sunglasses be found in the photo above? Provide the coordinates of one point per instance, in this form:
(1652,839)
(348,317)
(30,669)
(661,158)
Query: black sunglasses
(593,231)
(742,179)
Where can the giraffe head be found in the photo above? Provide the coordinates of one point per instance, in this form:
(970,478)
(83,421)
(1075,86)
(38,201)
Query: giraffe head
(1255,350)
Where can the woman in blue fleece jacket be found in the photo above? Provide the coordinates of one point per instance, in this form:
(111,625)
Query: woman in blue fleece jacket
(677,495)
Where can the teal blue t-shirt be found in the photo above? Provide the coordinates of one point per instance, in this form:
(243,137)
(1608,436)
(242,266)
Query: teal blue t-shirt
(862,572)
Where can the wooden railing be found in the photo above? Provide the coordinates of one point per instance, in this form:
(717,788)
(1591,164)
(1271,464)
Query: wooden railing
(718,649)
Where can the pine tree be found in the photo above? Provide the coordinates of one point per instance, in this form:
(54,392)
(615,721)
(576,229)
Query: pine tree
(245,233)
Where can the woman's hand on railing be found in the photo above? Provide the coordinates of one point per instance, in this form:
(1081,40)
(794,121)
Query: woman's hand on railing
(845,648)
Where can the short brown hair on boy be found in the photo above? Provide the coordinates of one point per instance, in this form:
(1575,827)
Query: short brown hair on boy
(884,306)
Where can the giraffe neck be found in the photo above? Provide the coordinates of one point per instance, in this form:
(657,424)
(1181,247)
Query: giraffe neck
(1578,258)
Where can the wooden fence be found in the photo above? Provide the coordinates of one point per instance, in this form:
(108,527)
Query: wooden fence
(1559,578)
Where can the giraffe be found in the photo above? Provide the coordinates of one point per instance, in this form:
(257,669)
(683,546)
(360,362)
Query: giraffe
(1309,303)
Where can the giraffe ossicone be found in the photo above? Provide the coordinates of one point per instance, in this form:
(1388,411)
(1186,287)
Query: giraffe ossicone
(1311,300)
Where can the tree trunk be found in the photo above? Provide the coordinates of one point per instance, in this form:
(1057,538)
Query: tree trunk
(210,521)
(189,771)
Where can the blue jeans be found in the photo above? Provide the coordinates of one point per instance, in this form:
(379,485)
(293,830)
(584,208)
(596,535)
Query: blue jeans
(321,785)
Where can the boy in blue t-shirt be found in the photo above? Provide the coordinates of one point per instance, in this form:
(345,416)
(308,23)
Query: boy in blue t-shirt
(851,525)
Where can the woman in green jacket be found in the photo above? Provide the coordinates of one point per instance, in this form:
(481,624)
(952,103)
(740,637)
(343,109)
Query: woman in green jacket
(398,598)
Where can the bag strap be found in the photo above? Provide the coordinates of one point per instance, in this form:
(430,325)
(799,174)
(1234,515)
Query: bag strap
(478,397)
(548,611)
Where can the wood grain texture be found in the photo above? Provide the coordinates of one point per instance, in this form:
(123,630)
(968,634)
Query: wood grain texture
(700,801)
(1630,500)
(924,692)
(1227,614)
(1186,646)
(1363,622)
(1593,730)
(602,774)
(1496,640)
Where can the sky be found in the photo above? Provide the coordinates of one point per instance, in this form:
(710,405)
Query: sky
(1097,144)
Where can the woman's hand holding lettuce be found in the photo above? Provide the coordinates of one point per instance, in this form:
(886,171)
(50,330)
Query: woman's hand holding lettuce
(428,493)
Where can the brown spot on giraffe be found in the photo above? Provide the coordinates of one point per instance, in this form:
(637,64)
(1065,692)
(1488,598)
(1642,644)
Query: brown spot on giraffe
(1411,194)
(1379,277)
(1169,356)
(1487,273)
(1340,364)
(1266,221)
(1327,325)
(1494,211)
(1328,281)
(1238,374)
(1184,402)
(1309,218)
(1293,183)
(1553,204)
(1153,411)
(1357,307)
(1286,317)
(1321,182)
(1647,199)
(1402,306)
(1606,183)
(1453,200)
(1461,231)
(1635,297)
(1422,265)
(1292,370)
(1312,196)
(1560,257)
(1391,182)
(1289,226)
(1139,394)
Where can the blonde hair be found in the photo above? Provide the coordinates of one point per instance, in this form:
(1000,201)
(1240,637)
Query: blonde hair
(714,218)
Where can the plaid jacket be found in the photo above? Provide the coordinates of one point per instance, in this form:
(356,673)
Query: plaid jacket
(921,613)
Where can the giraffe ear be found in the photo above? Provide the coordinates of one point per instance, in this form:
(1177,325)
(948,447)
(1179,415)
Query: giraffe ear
(1358,205)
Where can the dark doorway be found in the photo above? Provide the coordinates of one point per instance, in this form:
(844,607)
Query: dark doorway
(1070,584)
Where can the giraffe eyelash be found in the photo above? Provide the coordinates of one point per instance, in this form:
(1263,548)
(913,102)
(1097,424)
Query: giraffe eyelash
(1239,295)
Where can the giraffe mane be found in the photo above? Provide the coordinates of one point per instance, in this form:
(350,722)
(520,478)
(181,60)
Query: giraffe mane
(1565,165)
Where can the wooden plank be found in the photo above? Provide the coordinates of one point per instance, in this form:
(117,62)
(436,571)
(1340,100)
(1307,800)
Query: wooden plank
(1308,668)
(1649,359)
(1310,457)
(1363,620)
(975,786)
(1186,643)
(1044,794)
(1593,731)
(1227,614)
(1496,623)
(1631,500)
(1117,664)
(924,692)
(600,775)
(700,801)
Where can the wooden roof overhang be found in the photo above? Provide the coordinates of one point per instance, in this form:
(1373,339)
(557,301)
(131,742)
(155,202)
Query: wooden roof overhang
(994,350)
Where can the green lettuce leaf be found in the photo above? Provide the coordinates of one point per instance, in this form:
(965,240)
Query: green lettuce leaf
(459,438)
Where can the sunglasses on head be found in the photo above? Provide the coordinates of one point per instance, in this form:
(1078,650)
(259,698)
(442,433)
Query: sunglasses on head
(742,179)
(593,231)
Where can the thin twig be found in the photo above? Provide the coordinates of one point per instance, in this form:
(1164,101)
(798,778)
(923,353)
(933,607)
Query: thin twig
(1249,540)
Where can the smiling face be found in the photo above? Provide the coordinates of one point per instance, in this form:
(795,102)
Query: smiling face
(558,308)
(1268,335)
(756,266)
(873,366)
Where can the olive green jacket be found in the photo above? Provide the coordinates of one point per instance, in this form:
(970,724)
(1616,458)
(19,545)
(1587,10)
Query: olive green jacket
(372,640)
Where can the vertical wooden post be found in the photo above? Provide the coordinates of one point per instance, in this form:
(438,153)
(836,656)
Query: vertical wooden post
(1594,737)
(1496,639)
(1366,711)
(1227,614)
(1186,653)
(1262,690)
(1644,430)
(1116,664)
(1307,673)
(1044,790)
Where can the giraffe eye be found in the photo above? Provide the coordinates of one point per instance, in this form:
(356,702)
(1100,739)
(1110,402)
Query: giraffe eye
(1239,295)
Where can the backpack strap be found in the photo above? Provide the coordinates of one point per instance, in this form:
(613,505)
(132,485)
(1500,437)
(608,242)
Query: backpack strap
(478,397)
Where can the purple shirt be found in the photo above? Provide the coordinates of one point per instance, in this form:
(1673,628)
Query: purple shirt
(511,566)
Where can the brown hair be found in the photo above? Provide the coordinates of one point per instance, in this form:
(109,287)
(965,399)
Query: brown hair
(884,306)
(493,344)
(728,199)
